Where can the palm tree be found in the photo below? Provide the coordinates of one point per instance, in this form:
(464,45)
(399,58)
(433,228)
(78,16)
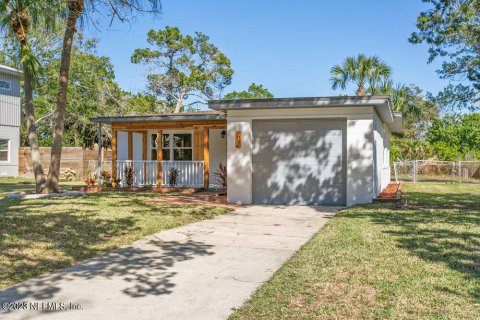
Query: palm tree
(403,98)
(75,9)
(17,17)
(118,9)
(361,71)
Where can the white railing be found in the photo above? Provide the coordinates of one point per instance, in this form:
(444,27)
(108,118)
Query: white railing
(190,172)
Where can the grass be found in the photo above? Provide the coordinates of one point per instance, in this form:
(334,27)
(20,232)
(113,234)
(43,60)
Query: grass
(10,185)
(40,236)
(415,260)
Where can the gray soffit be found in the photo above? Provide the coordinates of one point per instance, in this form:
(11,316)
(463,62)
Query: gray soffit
(381,104)
(191,116)
(11,71)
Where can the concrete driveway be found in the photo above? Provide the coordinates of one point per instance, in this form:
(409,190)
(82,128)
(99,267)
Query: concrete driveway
(200,271)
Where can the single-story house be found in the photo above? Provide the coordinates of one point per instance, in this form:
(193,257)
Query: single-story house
(319,151)
(9,120)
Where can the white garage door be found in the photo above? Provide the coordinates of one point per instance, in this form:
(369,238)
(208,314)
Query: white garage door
(299,161)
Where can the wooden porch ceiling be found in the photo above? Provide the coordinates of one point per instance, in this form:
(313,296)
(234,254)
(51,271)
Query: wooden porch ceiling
(169,125)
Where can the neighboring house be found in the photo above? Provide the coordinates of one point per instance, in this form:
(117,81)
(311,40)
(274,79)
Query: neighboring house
(9,120)
(321,151)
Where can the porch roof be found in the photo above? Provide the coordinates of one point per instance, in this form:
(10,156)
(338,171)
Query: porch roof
(184,116)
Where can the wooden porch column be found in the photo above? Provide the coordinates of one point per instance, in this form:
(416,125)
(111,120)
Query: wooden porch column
(114,153)
(144,156)
(206,160)
(159,158)
(130,145)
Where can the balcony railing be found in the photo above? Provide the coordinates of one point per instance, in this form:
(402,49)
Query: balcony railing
(190,172)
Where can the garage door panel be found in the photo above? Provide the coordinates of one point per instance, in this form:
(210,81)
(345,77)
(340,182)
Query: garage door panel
(271,145)
(299,162)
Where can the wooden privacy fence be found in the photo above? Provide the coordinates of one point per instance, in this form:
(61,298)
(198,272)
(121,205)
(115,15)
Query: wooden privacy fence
(73,166)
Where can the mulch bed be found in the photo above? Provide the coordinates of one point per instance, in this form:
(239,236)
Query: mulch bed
(94,189)
(393,192)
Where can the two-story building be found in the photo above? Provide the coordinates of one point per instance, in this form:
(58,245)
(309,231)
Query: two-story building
(9,120)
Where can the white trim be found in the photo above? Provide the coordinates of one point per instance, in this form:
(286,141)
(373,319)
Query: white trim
(171,147)
(9,142)
(11,71)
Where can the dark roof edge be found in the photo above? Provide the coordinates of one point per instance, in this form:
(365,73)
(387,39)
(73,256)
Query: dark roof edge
(158,118)
(296,99)
(311,102)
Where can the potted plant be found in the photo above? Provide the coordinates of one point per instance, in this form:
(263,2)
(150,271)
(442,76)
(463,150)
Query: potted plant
(90,182)
(173,175)
(116,181)
(129,175)
(106,178)
(221,175)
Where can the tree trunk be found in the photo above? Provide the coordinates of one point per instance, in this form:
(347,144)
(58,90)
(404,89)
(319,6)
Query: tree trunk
(361,92)
(32,133)
(76,138)
(20,24)
(75,8)
(179,105)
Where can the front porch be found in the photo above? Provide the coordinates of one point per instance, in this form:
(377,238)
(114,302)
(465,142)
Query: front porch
(191,173)
(192,143)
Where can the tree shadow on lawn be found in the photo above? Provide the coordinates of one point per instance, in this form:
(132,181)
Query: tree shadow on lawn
(441,229)
(139,271)
(39,236)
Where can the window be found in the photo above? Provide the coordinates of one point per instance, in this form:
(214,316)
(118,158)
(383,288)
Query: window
(5,85)
(175,146)
(182,147)
(4,149)
(154,147)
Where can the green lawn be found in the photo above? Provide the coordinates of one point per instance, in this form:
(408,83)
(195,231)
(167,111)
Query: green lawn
(10,185)
(418,260)
(39,236)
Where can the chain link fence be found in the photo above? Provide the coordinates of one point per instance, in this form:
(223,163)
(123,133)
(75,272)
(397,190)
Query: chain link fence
(433,170)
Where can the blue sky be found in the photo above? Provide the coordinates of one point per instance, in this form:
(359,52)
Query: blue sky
(288,46)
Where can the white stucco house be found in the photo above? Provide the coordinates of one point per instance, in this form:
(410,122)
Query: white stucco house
(9,120)
(316,151)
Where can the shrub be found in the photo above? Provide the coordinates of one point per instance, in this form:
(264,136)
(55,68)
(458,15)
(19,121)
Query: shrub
(129,174)
(106,176)
(173,175)
(221,175)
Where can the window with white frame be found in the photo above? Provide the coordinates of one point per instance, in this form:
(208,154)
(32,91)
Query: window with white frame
(177,146)
(5,85)
(4,149)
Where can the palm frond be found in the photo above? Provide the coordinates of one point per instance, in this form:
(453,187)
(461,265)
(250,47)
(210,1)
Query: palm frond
(31,65)
(360,70)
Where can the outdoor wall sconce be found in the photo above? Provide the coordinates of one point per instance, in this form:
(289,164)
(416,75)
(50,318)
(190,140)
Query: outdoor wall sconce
(223,134)
(238,139)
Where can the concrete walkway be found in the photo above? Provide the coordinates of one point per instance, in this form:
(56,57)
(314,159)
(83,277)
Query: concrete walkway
(200,271)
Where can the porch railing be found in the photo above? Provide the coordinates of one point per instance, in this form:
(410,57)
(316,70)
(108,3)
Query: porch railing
(190,172)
